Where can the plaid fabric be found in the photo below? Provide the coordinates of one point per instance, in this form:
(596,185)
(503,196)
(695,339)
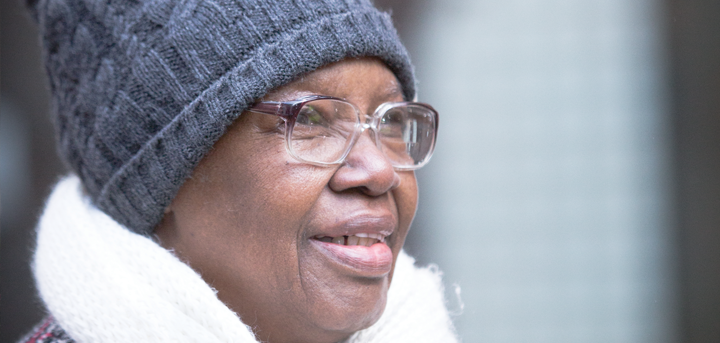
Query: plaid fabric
(48,331)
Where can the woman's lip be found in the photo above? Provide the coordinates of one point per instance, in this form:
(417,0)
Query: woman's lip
(382,224)
(372,261)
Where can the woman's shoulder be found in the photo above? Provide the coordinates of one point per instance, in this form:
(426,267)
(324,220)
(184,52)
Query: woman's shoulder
(47,331)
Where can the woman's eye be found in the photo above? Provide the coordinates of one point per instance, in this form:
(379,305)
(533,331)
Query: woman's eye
(393,118)
(310,116)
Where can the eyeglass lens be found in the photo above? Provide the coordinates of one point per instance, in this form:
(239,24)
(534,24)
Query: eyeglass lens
(324,130)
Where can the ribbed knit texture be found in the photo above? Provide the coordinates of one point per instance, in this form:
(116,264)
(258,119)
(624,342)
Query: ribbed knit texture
(143,89)
(103,283)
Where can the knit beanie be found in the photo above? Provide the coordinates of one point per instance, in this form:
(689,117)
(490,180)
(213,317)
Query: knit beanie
(142,89)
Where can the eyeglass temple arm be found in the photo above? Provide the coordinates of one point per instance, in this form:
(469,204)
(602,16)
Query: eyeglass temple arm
(272,107)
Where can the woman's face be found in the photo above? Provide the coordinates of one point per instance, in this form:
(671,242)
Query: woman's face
(255,223)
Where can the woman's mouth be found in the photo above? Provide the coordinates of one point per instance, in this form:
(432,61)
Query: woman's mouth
(362,239)
(361,254)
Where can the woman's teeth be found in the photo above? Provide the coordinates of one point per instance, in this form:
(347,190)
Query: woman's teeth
(362,239)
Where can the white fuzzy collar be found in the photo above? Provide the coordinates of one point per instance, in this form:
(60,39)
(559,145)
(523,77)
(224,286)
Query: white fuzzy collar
(103,283)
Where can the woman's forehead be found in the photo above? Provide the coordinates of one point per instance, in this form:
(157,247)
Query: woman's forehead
(365,78)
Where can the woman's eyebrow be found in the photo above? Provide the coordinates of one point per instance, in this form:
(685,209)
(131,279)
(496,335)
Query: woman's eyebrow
(392,91)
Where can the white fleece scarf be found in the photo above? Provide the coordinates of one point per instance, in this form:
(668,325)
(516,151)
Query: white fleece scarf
(103,283)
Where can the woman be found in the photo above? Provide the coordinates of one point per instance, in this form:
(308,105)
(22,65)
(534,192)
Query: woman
(244,173)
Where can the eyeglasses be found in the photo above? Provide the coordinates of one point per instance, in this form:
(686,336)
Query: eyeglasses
(321,130)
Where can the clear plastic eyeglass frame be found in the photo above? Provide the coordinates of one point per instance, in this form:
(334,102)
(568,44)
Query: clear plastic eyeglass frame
(289,111)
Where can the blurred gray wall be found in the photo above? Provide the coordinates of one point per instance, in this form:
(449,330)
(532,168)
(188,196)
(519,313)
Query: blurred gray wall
(28,165)
(549,198)
(695,54)
(575,193)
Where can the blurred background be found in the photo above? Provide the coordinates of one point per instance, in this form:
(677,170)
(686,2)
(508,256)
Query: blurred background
(575,191)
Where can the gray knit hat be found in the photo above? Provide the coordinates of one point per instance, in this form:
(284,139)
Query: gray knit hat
(142,89)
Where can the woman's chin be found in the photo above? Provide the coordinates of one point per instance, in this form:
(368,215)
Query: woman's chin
(352,316)
(330,315)
(345,304)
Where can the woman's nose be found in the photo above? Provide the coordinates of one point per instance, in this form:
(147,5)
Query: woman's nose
(365,168)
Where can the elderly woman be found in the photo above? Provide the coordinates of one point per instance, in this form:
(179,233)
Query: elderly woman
(242,172)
